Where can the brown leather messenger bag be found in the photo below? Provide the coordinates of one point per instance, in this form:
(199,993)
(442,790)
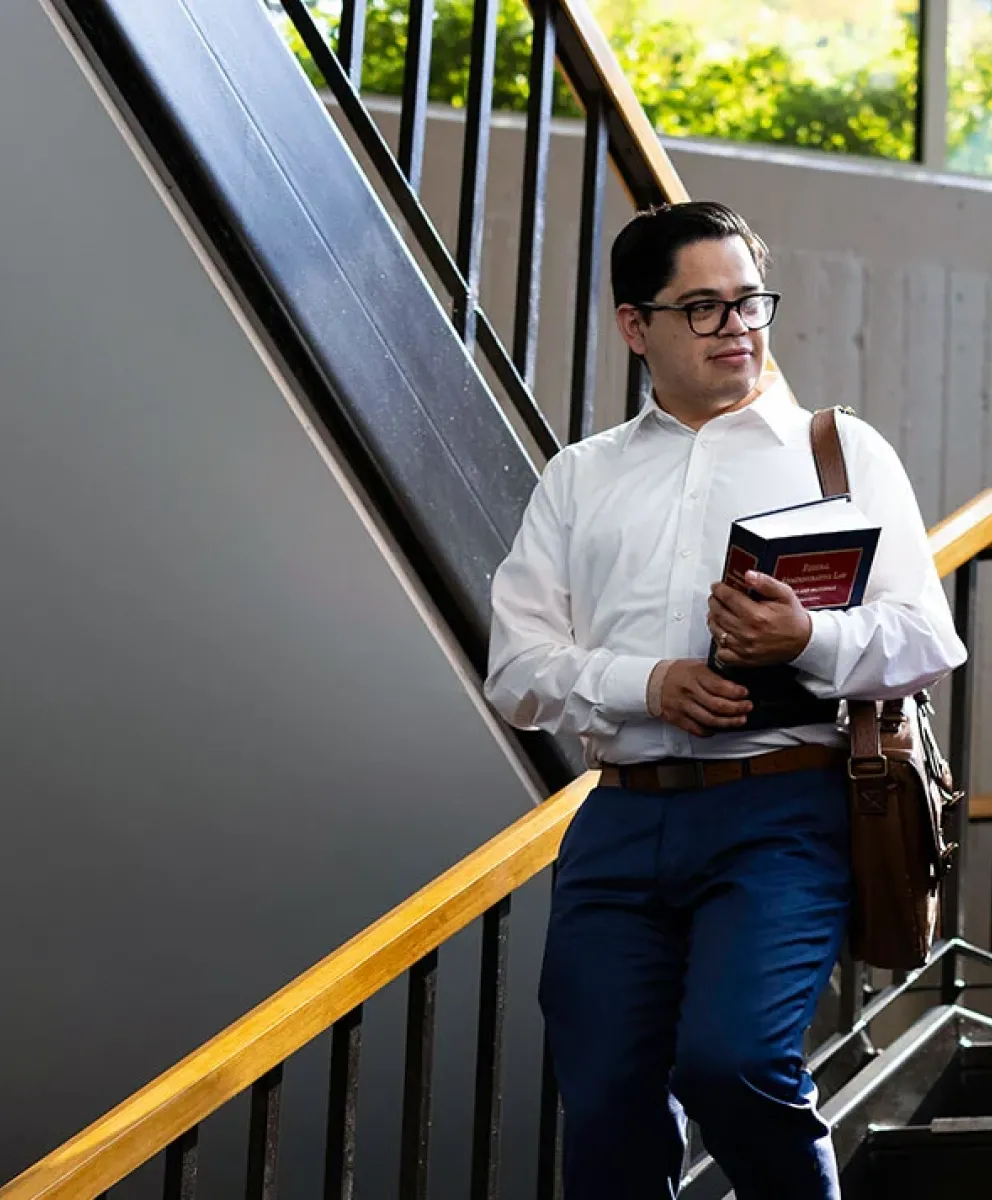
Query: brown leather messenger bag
(899,787)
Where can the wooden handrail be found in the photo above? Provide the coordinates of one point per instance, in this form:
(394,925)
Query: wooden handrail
(145,1124)
(183,1096)
(631,114)
(963,534)
(980,808)
(628,108)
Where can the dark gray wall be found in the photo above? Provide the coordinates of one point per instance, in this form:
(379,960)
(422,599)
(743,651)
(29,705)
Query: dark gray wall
(229,737)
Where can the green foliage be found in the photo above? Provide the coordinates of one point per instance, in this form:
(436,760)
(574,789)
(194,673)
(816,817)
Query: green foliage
(761,93)
(969,112)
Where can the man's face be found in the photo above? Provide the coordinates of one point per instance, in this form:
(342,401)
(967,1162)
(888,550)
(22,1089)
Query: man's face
(701,376)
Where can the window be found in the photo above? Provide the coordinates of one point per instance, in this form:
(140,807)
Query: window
(969,87)
(837,75)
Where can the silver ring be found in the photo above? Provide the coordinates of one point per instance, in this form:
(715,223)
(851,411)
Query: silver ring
(724,638)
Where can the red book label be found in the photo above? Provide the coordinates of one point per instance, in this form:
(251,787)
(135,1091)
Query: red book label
(738,563)
(821,580)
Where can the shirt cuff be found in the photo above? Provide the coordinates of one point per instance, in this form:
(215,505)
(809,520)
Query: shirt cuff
(819,659)
(625,685)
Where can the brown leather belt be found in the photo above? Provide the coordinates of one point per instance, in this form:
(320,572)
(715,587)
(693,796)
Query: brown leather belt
(689,774)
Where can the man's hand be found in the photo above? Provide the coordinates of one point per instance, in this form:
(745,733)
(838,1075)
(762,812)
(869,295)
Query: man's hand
(758,633)
(701,702)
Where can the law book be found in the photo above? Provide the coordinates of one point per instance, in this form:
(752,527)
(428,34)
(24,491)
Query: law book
(824,551)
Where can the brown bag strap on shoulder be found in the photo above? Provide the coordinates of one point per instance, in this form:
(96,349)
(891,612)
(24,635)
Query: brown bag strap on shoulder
(866,745)
(829,453)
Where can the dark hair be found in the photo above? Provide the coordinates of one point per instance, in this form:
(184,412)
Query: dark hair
(643,257)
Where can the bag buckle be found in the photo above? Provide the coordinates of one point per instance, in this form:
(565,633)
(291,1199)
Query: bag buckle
(876,767)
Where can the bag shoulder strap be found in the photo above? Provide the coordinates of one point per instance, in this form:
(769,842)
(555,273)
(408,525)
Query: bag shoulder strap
(828,453)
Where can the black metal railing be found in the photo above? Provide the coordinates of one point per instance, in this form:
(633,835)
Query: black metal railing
(845,1047)
(848,1045)
(460,270)
(182,1155)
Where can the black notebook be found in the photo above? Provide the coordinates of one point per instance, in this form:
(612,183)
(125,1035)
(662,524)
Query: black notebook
(824,551)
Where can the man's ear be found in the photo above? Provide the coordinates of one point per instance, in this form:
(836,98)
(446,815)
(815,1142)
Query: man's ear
(630,322)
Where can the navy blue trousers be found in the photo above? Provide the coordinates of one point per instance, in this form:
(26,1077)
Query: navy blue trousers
(690,937)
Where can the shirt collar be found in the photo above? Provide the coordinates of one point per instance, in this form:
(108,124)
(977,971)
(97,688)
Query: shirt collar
(774,405)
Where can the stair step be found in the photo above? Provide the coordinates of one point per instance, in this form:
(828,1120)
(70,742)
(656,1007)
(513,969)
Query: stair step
(974,1078)
(949,1159)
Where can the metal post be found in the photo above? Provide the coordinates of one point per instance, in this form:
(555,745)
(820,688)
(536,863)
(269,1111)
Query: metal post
(415,1132)
(962,691)
(416,83)
(931,91)
(582,411)
(351,41)
(475,166)
(535,190)
(342,1107)
(489,1055)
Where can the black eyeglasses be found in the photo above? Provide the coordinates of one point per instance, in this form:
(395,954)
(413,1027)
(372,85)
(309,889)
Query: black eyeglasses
(707,318)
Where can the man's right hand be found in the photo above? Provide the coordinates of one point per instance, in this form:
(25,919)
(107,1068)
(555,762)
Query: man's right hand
(696,699)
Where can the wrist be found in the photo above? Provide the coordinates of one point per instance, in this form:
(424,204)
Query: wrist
(656,685)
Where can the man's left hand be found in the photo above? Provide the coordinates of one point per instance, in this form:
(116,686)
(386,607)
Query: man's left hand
(758,633)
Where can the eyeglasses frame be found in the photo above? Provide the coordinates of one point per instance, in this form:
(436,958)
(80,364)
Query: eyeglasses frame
(728,307)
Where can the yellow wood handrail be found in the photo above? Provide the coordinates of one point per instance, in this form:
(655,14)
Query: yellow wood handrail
(622,97)
(963,534)
(145,1124)
(183,1096)
(630,111)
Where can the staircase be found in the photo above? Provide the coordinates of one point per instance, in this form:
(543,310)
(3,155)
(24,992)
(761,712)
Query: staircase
(448,460)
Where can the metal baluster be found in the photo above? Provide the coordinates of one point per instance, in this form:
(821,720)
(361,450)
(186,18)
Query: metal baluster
(351,41)
(549,1144)
(416,82)
(475,169)
(181,1165)
(489,1056)
(582,414)
(549,1147)
(420,1025)
(346,1049)
(535,190)
(263,1137)
(852,990)
(962,692)
(375,146)
(421,226)
(636,384)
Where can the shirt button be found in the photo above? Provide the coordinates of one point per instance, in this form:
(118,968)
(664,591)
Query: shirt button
(679,615)
(686,552)
(693,495)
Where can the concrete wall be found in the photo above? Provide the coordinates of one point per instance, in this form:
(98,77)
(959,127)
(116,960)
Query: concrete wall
(210,774)
(231,734)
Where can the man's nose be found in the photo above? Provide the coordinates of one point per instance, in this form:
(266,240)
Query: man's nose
(735,325)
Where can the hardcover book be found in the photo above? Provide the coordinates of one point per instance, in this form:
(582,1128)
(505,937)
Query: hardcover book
(824,551)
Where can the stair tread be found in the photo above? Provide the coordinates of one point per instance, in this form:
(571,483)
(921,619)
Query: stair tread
(942,1125)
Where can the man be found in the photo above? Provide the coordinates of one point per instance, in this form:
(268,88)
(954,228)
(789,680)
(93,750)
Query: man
(702,892)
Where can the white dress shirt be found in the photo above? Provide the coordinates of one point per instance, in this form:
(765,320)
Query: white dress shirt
(624,536)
